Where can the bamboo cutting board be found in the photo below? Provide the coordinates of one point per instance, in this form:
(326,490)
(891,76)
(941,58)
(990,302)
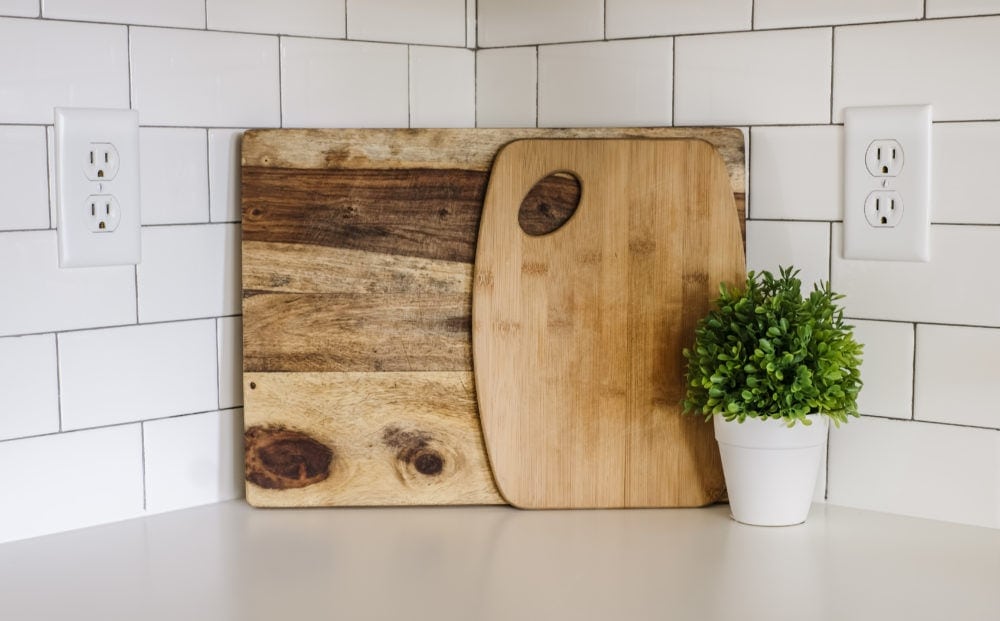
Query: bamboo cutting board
(577,334)
(358,248)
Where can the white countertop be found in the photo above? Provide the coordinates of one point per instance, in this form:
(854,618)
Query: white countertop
(230,561)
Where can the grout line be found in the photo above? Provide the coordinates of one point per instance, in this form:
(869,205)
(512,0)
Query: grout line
(929,422)
(135,276)
(833,40)
(925,9)
(346,2)
(650,36)
(128,49)
(281,92)
(475,88)
(142,443)
(147,323)
(208,155)
(605,24)
(753,14)
(409,89)
(913,379)
(49,182)
(58,384)
(829,256)
(206,14)
(673,83)
(537,82)
(240,407)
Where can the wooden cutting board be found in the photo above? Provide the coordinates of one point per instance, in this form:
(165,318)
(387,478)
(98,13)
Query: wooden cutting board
(358,248)
(577,334)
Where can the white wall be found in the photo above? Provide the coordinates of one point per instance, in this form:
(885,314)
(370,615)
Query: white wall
(929,443)
(120,389)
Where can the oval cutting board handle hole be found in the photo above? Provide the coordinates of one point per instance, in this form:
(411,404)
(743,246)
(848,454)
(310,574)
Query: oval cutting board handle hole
(550,203)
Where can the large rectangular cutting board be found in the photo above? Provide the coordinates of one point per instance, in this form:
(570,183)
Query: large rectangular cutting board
(358,250)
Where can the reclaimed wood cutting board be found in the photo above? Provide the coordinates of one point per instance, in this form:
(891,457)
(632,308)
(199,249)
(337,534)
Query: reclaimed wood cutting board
(578,333)
(358,250)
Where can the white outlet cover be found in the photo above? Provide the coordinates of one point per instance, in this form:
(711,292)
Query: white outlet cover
(76,129)
(909,239)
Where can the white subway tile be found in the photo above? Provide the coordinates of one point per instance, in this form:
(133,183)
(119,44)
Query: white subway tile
(432,22)
(920,469)
(343,84)
(470,24)
(887,368)
(940,62)
(230,331)
(804,245)
(950,288)
(752,78)
(70,480)
(605,83)
(51,64)
(784,13)
(189,272)
(19,8)
(442,87)
(643,18)
(224,174)
(118,375)
(797,172)
(174,181)
(506,81)
(948,8)
(316,18)
(525,22)
(179,13)
(24,173)
(29,390)
(192,77)
(965,159)
(958,370)
(193,460)
(39,296)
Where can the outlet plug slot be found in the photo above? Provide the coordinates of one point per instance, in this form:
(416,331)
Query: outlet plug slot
(884,158)
(103,212)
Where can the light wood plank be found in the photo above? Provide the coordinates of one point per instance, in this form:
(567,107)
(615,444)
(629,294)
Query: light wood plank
(577,335)
(393,439)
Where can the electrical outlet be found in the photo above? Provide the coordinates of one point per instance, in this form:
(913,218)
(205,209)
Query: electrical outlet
(105,213)
(887,183)
(884,208)
(97,186)
(102,162)
(884,158)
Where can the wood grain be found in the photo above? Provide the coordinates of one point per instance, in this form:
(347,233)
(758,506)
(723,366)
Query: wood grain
(393,438)
(358,248)
(577,335)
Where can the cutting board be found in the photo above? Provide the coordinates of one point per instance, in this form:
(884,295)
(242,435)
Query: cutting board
(578,333)
(358,250)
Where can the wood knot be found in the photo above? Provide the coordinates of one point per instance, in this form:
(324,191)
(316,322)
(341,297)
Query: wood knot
(429,463)
(413,449)
(280,458)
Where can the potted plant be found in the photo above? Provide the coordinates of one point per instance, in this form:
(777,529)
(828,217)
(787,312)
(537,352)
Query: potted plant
(772,368)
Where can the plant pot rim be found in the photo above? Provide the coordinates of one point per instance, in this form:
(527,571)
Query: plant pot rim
(772,433)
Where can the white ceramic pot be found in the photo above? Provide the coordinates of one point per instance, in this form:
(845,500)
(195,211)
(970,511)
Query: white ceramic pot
(770,468)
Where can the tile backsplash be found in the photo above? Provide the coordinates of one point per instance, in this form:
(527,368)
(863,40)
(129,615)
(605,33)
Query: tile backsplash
(120,387)
(929,442)
(120,390)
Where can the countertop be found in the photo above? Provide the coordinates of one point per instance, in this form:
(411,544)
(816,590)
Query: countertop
(230,561)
